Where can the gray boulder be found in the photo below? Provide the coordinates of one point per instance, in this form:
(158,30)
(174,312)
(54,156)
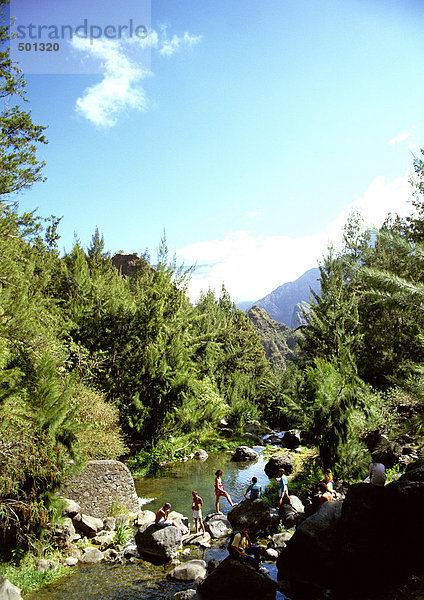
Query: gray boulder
(71,509)
(87,525)
(145,516)
(237,580)
(160,542)
(277,462)
(252,428)
(186,595)
(196,539)
(191,570)
(45,564)
(297,504)
(91,556)
(218,526)
(104,539)
(244,453)
(413,475)
(201,455)
(8,591)
(256,515)
(109,524)
(71,561)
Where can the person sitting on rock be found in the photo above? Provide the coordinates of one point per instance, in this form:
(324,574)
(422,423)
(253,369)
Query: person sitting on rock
(161,519)
(323,493)
(377,473)
(241,547)
(328,480)
(197,511)
(254,490)
(284,488)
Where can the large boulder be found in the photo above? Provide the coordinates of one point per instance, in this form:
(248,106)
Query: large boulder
(277,462)
(218,526)
(201,455)
(91,556)
(416,474)
(8,591)
(291,439)
(244,453)
(254,515)
(310,553)
(145,516)
(236,580)
(191,570)
(160,542)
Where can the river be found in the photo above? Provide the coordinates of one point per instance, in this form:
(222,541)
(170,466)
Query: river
(141,580)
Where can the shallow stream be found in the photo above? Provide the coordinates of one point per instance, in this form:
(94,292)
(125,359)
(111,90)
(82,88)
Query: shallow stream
(141,580)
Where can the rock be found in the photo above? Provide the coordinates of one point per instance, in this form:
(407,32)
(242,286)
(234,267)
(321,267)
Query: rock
(88,526)
(253,437)
(279,461)
(274,439)
(413,475)
(91,556)
(226,432)
(46,565)
(145,516)
(271,553)
(111,554)
(104,539)
(123,520)
(161,542)
(252,428)
(288,515)
(236,580)
(64,533)
(71,509)
(186,595)
(291,439)
(212,565)
(415,465)
(244,453)
(201,455)
(109,524)
(280,539)
(297,504)
(180,519)
(196,539)
(71,561)
(310,554)
(256,515)
(189,571)
(8,591)
(130,550)
(218,526)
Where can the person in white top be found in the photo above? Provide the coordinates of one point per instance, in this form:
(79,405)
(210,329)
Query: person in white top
(377,473)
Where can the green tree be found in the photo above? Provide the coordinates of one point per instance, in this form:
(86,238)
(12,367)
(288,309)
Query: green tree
(19,136)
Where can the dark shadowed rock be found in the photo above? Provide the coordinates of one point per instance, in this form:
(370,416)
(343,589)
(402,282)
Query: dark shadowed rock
(244,453)
(277,462)
(235,580)
(291,439)
(413,475)
(256,515)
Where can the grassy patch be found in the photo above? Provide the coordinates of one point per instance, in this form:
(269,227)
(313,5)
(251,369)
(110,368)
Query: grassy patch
(25,575)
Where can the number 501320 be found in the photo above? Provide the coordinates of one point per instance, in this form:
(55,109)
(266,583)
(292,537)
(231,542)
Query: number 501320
(38,47)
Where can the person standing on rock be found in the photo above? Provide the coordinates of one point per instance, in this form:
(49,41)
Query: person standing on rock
(197,511)
(220,491)
(284,488)
(377,473)
(255,490)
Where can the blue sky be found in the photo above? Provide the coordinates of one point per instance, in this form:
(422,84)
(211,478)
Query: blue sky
(248,131)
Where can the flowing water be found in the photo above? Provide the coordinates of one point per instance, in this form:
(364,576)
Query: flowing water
(141,580)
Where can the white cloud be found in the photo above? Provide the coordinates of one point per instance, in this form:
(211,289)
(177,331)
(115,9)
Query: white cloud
(252,266)
(255,213)
(168,46)
(120,88)
(406,136)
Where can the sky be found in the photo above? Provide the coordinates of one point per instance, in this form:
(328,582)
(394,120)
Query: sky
(246,131)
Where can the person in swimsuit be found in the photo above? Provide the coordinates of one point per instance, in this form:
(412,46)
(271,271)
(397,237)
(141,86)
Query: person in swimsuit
(162,520)
(197,511)
(220,491)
